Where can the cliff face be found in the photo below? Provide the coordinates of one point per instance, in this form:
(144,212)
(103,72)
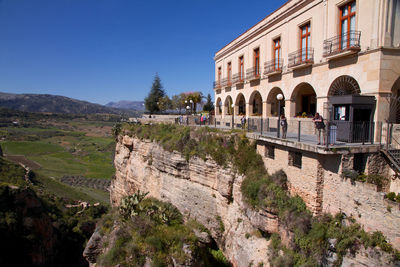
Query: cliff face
(201,190)
(209,193)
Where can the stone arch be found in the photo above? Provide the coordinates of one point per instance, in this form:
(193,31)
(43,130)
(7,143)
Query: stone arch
(272,102)
(228,105)
(255,104)
(240,105)
(344,85)
(394,110)
(218,105)
(304,100)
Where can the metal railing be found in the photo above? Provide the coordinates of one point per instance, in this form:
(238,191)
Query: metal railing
(347,41)
(273,66)
(302,56)
(217,84)
(253,73)
(298,129)
(237,78)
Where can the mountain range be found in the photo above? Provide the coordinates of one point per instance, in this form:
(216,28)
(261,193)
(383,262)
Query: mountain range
(124,104)
(57,104)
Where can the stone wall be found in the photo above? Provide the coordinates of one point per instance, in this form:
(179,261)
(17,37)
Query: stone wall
(363,202)
(301,181)
(319,184)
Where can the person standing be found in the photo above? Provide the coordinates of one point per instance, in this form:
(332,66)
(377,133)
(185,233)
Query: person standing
(284,125)
(319,127)
(243,121)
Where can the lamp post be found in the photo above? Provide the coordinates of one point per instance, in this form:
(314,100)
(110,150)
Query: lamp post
(187,117)
(233,115)
(279,97)
(191,108)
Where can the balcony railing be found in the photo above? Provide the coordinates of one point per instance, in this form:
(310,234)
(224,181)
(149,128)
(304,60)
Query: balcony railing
(273,67)
(341,43)
(224,82)
(228,82)
(217,84)
(253,73)
(301,57)
(237,78)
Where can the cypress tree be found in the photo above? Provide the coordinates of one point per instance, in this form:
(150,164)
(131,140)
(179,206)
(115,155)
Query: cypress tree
(209,105)
(156,93)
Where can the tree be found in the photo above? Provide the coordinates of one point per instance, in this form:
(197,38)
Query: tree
(209,105)
(196,98)
(156,93)
(178,102)
(164,103)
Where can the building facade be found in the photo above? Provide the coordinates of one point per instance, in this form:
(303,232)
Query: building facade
(309,51)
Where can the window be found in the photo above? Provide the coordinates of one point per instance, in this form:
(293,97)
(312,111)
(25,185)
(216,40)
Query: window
(270,152)
(305,42)
(277,54)
(347,25)
(256,62)
(295,159)
(219,76)
(241,69)
(229,73)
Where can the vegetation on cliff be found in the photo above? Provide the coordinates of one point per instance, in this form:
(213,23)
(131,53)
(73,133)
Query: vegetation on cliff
(36,227)
(145,230)
(313,237)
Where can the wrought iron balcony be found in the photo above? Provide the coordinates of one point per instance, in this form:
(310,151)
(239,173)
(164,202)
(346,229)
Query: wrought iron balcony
(228,82)
(224,82)
(237,78)
(217,85)
(302,57)
(272,67)
(349,41)
(253,73)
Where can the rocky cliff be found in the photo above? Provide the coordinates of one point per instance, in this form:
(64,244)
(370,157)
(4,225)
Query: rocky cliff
(211,194)
(201,190)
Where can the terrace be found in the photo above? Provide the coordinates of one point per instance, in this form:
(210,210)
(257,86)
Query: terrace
(301,135)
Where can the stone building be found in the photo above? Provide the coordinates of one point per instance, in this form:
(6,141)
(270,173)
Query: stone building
(339,58)
(309,50)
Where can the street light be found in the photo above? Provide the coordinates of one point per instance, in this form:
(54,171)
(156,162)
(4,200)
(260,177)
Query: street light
(191,108)
(233,115)
(279,97)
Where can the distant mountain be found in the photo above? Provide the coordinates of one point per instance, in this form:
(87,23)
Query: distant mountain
(55,104)
(124,104)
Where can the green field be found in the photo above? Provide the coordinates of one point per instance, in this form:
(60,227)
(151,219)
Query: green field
(67,155)
(58,148)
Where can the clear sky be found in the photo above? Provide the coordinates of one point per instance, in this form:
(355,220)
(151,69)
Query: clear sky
(110,50)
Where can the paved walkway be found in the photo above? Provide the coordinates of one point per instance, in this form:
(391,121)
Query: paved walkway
(293,137)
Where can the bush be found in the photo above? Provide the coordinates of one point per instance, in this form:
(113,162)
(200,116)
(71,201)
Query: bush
(391,196)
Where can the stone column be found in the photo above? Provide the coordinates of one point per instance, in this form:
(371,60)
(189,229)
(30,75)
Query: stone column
(268,109)
(290,108)
(248,107)
(265,109)
(236,110)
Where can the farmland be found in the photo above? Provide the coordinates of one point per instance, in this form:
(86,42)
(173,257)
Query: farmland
(57,147)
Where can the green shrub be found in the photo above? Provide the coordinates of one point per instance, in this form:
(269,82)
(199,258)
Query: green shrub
(349,174)
(391,196)
(378,180)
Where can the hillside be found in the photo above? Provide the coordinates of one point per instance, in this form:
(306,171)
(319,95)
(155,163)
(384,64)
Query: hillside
(124,104)
(55,104)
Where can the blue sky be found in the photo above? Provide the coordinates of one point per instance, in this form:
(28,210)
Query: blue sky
(110,50)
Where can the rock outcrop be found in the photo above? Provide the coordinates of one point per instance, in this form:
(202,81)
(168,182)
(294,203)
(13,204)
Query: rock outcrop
(200,189)
(204,191)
